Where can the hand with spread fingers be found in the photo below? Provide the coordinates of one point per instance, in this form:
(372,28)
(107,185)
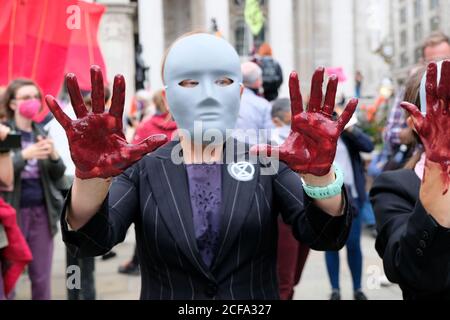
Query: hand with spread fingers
(310,148)
(433,127)
(97,143)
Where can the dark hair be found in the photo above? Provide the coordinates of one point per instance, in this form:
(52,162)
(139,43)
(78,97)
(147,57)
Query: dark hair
(10,94)
(280,106)
(412,95)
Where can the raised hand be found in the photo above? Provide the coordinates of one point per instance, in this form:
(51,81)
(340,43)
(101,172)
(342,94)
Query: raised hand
(97,143)
(4,131)
(310,148)
(433,127)
(38,151)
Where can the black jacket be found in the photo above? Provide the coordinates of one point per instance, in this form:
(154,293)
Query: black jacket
(414,248)
(272,77)
(154,195)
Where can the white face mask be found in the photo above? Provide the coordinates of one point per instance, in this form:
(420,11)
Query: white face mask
(203,77)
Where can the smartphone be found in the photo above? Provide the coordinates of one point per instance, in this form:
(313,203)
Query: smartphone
(12,141)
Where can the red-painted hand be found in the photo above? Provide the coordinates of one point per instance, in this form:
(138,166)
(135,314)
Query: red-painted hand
(97,143)
(310,148)
(433,127)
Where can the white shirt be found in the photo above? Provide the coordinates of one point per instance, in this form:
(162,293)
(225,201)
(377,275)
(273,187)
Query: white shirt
(58,135)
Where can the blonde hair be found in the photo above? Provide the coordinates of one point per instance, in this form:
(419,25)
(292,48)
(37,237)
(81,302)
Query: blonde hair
(187,34)
(159,102)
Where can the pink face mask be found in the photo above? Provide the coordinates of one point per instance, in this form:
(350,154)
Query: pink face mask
(29,108)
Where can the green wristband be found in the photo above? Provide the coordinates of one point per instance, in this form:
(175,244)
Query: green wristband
(330,190)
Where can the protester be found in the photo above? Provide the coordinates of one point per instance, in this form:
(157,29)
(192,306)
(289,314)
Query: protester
(292,254)
(350,144)
(159,123)
(281,118)
(186,251)
(37,168)
(412,205)
(435,47)
(86,265)
(271,72)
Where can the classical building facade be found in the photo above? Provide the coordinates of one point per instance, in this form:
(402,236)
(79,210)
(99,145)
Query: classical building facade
(412,21)
(304,34)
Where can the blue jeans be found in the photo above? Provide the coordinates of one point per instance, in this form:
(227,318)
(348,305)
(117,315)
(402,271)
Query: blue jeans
(367,214)
(354,257)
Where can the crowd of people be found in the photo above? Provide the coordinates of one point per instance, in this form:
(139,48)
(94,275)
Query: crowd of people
(202,231)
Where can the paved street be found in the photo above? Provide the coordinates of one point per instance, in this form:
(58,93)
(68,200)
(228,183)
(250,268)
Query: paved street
(314,284)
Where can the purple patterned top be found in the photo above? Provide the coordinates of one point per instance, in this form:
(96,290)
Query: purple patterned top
(32,193)
(205,189)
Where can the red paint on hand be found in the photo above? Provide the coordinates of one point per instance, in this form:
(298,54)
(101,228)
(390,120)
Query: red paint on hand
(310,148)
(97,143)
(433,127)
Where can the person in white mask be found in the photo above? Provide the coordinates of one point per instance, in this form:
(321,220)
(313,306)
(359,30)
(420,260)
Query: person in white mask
(204,210)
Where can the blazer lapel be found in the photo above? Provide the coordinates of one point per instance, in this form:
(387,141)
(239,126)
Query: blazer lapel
(171,191)
(237,197)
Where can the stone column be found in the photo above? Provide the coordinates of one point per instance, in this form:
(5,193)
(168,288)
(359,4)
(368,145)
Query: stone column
(342,43)
(197,10)
(281,38)
(151,35)
(116,37)
(304,42)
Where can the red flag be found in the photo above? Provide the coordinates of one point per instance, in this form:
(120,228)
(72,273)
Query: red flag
(84,49)
(43,39)
(34,39)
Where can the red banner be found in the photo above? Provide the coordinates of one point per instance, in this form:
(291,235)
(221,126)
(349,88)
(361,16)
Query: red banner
(84,49)
(33,41)
(42,39)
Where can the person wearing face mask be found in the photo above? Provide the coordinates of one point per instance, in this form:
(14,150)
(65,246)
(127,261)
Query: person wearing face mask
(412,205)
(205,214)
(37,166)
(351,143)
(281,118)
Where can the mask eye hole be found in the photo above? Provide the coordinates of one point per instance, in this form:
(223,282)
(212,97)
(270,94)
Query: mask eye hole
(223,81)
(188,83)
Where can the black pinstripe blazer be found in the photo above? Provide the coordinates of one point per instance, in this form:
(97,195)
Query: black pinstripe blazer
(154,195)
